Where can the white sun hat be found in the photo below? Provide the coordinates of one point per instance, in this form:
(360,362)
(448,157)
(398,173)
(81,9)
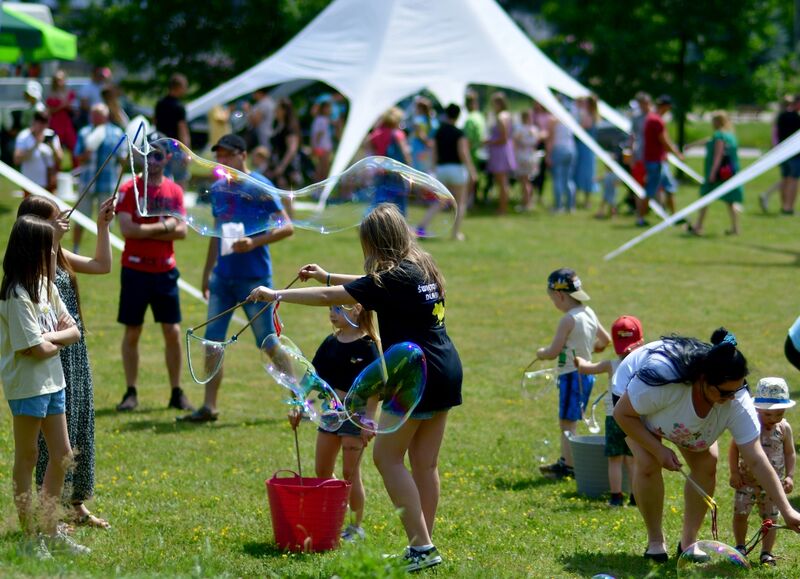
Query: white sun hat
(772,394)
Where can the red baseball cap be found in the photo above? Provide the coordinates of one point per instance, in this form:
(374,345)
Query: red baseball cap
(626,333)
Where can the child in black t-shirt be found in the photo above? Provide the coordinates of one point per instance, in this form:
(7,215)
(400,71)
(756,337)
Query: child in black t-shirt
(339,360)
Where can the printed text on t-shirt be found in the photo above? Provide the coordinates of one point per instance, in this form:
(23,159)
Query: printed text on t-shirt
(430,290)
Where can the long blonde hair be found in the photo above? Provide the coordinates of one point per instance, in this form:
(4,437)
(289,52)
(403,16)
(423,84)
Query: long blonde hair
(721,121)
(387,240)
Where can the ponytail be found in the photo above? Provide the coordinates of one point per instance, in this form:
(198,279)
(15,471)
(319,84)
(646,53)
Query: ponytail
(688,359)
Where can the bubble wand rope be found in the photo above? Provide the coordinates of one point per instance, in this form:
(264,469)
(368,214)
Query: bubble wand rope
(709,500)
(97,174)
(219,315)
(276,319)
(766,526)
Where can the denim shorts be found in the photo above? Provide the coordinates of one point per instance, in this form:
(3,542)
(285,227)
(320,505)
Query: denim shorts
(574,391)
(346,429)
(791,167)
(226,292)
(40,406)
(658,176)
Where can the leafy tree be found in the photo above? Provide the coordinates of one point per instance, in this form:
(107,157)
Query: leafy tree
(208,41)
(713,53)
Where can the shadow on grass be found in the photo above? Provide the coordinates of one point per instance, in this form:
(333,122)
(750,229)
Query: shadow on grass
(521,484)
(261,550)
(588,564)
(170,426)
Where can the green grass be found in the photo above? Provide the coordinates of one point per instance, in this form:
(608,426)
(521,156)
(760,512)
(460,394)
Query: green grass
(190,500)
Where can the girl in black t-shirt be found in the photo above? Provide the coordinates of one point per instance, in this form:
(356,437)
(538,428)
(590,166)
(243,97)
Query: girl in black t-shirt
(406,289)
(339,360)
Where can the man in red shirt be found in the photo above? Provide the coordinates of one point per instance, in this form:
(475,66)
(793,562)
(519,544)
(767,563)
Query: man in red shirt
(656,146)
(149,274)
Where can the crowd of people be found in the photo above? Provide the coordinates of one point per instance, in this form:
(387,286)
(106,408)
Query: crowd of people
(680,389)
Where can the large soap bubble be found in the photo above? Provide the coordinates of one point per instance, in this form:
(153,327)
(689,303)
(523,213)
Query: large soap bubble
(537,383)
(385,393)
(224,202)
(711,559)
(313,397)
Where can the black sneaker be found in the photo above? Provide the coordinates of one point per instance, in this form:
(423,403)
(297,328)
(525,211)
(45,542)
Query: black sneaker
(202,414)
(416,560)
(557,470)
(632,501)
(616,500)
(129,400)
(179,401)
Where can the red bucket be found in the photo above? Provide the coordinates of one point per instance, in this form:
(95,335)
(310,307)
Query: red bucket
(307,513)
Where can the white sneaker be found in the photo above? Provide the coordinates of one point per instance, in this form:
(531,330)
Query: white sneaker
(37,547)
(61,542)
(353,533)
(415,560)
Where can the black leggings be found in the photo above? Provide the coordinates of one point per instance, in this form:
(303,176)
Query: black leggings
(791,353)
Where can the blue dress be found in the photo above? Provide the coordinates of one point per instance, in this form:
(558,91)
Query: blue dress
(585,164)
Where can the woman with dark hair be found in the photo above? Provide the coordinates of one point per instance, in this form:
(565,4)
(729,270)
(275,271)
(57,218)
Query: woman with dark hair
(688,392)
(285,145)
(75,359)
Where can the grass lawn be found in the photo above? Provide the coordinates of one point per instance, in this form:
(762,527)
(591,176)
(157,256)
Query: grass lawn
(190,500)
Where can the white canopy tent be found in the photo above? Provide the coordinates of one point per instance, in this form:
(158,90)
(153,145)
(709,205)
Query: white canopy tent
(378,53)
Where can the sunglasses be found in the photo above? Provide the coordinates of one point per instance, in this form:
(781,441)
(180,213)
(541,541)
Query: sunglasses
(730,394)
(156,155)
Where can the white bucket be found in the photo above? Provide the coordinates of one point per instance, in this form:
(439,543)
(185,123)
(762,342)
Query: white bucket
(65,188)
(591,466)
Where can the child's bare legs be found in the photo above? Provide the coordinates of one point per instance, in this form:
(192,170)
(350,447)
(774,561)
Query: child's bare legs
(54,429)
(352,449)
(733,211)
(740,528)
(769,541)
(615,474)
(26,453)
(570,426)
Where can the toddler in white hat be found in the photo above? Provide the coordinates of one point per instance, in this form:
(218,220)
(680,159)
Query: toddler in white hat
(771,402)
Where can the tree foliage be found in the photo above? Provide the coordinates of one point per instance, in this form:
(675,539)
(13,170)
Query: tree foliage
(208,41)
(714,53)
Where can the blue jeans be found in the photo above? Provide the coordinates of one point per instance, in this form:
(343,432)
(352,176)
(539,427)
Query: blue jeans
(563,168)
(226,292)
(658,176)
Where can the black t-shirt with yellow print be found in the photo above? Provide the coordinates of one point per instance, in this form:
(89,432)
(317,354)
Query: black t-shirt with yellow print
(410,308)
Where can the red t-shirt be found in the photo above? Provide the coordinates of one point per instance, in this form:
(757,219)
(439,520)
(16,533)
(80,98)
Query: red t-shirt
(150,255)
(382,137)
(653,129)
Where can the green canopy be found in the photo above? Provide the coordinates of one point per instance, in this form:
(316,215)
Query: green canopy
(23,36)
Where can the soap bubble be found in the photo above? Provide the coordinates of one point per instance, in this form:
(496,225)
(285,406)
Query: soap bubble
(224,202)
(537,384)
(711,559)
(313,397)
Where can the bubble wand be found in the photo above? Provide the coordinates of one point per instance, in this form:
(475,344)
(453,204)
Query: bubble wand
(709,500)
(100,170)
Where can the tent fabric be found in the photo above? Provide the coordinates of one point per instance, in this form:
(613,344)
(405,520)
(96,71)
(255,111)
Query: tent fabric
(17,33)
(378,53)
(54,43)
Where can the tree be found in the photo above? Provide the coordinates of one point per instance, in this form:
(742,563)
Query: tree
(712,53)
(208,41)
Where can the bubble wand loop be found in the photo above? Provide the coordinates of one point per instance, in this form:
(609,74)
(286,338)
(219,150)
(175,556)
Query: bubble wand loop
(709,500)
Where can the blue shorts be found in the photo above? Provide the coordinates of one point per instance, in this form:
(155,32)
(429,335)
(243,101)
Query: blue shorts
(574,390)
(226,292)
(791,167)
(40,406)
(658,177)
(140,289)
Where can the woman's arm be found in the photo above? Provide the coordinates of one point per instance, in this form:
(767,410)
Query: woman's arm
(552,351)
(465,156)
(309,296)
(315,272)
(767,478)
(631,422)
(101,262)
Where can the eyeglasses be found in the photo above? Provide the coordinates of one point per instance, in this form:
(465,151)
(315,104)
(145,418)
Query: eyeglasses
(729,394)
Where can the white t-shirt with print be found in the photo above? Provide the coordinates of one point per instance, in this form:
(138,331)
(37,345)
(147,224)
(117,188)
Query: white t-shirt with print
(22,323)
(43,158)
